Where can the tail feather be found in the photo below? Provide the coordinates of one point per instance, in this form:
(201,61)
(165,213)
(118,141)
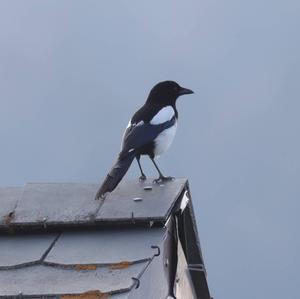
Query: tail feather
(116,174)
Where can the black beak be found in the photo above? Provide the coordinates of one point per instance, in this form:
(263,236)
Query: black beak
(183,91)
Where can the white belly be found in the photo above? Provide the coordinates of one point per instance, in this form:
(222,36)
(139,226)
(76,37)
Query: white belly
(164,140)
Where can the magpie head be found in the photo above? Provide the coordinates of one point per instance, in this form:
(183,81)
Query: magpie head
(166,93)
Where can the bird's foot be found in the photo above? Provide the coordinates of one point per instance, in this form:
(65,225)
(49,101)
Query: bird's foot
(142,178)
(162,179)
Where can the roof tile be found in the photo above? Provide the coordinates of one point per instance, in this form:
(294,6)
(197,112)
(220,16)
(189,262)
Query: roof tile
(153,204)
(20,250)
(63,204)
(42,280)
(105,246)
(56,203)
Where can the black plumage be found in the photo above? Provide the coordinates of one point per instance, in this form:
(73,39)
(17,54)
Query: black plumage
(149,132)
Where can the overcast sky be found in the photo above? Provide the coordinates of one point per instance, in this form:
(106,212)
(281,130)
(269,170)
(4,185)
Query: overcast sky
(73,72)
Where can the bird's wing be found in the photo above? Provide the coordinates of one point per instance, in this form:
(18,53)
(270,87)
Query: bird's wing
(138,135)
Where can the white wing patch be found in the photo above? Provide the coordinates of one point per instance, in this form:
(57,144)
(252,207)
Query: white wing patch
(164,140)
(165,114)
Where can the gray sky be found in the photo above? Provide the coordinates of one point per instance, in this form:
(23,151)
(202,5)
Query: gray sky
(73,72)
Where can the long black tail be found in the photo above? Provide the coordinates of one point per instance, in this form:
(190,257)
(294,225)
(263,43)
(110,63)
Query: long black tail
(116,174)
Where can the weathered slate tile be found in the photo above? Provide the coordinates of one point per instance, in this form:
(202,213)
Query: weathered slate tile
(63,204)
(105,246)
(18,250)
(131,200)
(45,280)
(66,203)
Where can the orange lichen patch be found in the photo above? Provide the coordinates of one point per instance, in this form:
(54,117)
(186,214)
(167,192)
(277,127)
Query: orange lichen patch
(121,265)
(9,218)
(96,294)
(85,267)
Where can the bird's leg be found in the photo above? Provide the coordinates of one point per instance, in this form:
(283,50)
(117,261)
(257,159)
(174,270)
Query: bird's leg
(161,178)
(143,176)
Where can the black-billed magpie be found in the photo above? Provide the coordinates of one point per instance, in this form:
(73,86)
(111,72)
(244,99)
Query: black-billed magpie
(150,132)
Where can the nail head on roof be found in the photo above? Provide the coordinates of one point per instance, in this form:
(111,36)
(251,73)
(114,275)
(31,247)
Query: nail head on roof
(148,188)
(137,199)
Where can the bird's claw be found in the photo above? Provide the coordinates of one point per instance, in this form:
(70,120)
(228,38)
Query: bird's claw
(142,178)
(162,179)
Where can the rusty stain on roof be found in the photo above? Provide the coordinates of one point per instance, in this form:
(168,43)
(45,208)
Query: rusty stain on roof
(119,266)
(9,218)
(94,294)
(85,267)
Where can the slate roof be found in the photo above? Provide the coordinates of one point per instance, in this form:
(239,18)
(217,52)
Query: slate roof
(56,241)
(70,204)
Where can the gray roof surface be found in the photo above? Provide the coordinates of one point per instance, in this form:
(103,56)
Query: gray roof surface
(154,281)
(156,204)
(91,249)
(69,263)
(63,204)
(46,280)
(56,202)
(17,251)
(103,247)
